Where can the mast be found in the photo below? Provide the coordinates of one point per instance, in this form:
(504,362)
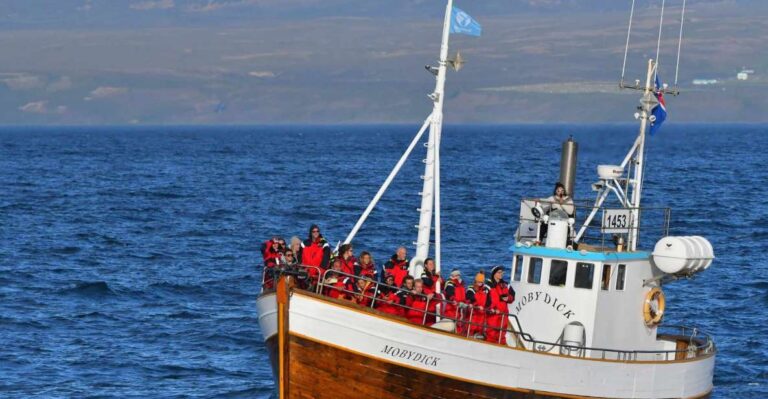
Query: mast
(430,193)
(648,102)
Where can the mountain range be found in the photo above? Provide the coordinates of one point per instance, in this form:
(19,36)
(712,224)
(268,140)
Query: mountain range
(344,61)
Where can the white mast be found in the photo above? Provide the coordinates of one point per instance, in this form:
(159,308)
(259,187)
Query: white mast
(430,193)
(648,102)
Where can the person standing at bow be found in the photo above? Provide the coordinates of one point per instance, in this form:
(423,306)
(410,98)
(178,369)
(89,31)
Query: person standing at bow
(272,251)
(316,252)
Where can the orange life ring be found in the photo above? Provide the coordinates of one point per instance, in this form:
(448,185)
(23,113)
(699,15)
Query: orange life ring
(653,307)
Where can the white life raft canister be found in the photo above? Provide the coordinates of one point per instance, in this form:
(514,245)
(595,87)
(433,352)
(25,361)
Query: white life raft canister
(683,255)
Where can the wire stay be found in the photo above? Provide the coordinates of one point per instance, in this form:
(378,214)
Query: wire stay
(626,47)
(679,44)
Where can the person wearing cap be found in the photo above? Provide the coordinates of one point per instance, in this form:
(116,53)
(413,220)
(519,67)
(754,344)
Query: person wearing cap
(455,294)
(387,300)
(502,294)
(398,266)
(432,284)
(315,252)
(479,297)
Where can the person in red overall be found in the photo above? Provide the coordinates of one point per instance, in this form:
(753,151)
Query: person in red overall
(455,295)
(479,297)
(416,304)
(387,300)
(366,268)
(272,254)
(433,284)
(398,266)
(271,251)
(404,293)
(348,260)
(315,252)
(364,292)
(502,295)
(336,285)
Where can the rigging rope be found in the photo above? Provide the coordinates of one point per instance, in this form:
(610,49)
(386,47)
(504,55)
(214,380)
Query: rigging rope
(658,43)
(679,44)
(626,48)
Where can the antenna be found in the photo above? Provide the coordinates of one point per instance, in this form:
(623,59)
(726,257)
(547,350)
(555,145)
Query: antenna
(637,83)
(679,44)
(626,47)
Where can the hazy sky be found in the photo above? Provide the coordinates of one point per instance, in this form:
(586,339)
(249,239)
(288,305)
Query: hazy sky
(358,61)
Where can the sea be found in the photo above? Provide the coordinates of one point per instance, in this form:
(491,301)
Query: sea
(129,256)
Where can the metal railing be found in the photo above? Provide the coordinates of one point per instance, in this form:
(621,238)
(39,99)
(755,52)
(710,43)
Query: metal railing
(269,276)
(603,230)
(461,307)
(697,342)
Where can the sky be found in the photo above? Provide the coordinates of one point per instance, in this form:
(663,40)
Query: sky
(170,62)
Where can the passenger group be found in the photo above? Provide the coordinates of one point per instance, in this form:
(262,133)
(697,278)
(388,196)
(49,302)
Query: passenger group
(480,310)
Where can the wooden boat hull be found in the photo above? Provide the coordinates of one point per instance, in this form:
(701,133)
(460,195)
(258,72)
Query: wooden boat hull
(333,350)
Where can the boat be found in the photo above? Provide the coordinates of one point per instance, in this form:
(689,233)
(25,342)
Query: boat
(586,320)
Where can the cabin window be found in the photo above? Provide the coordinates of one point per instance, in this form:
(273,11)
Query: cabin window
(534,270)
(584,275)
(557,273)
(605,281)
(518,268)
(620,274)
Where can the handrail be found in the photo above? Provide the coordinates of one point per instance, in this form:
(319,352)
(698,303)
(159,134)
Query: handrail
(693,335)
(459,305)
(299,270)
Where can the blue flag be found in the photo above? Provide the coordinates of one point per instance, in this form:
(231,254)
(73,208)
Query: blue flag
(659,112)
(461,22)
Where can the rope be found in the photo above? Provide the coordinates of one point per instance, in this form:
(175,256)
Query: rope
(658,43)
(679,44)
(626,47)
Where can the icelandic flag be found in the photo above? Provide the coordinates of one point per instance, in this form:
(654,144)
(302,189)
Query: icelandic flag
(659,112)
(461,22)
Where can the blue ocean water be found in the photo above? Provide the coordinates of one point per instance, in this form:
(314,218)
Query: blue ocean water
(129,256)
